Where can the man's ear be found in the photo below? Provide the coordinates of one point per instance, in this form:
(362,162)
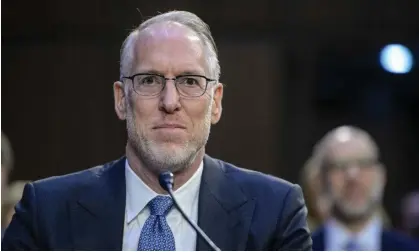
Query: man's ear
(119,99)
(217,107)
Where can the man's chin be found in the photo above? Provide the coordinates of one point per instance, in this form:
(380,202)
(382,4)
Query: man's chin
(169,148)
(171,153)
(351,212)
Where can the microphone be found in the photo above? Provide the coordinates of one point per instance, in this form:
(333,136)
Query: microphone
(166,182)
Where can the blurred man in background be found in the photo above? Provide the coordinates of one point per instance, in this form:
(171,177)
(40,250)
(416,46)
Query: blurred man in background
(410,214)
(169,94)
(354,179)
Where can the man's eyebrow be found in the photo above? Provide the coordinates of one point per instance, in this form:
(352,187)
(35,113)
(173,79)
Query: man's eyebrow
(191,72)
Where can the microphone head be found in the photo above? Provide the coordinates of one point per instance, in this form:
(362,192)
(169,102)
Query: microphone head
(166,180)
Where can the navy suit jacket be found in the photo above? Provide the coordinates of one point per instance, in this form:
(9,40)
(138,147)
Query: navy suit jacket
(390,241)
(238,209)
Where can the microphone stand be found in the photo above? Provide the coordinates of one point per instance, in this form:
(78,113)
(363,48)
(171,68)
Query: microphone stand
(166,182)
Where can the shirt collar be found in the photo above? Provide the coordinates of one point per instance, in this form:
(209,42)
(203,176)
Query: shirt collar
(368,238)
(139,194)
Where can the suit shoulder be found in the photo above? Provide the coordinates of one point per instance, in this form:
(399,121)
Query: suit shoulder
(257,182)
(72,181)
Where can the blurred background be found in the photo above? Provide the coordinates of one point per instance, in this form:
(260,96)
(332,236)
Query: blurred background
(293,70)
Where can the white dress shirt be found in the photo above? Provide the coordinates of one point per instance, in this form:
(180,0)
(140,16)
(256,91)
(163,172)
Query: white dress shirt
(138,194)
(337,236)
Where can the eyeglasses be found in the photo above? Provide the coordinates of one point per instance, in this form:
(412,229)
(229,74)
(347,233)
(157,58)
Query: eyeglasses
(146,84)
(361,163)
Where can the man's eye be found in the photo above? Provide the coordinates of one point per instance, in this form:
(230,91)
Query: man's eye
(149,80)
(188,81)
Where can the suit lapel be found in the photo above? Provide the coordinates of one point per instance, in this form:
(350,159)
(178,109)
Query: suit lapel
(97,216)
(388,243)
(224,211)
(319,239)
(385,241)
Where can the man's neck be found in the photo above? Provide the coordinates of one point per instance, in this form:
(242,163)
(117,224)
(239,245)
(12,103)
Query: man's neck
(151,179)
(355,225)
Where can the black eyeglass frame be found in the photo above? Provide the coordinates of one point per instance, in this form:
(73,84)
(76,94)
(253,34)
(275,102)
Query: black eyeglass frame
(207,81)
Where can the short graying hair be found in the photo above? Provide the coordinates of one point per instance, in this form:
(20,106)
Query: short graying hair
(185,18)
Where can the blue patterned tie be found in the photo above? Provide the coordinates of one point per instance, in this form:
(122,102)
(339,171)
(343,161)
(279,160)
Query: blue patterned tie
(156,234)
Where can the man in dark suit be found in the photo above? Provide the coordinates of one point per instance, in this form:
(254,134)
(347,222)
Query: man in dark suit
(354,179)
(169,95)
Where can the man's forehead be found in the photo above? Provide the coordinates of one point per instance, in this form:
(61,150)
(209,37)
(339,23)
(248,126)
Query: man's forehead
(170,38)
(169,46)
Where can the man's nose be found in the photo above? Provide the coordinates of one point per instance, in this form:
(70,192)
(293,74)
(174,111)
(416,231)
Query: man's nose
(352,171)
(169,98)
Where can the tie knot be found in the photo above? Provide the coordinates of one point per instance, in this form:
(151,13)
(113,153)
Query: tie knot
(160,205)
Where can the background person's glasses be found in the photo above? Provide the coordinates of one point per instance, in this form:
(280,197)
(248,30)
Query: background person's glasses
(343,165)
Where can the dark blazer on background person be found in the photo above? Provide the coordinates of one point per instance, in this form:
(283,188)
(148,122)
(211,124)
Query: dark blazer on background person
(238,209)
(390,241)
